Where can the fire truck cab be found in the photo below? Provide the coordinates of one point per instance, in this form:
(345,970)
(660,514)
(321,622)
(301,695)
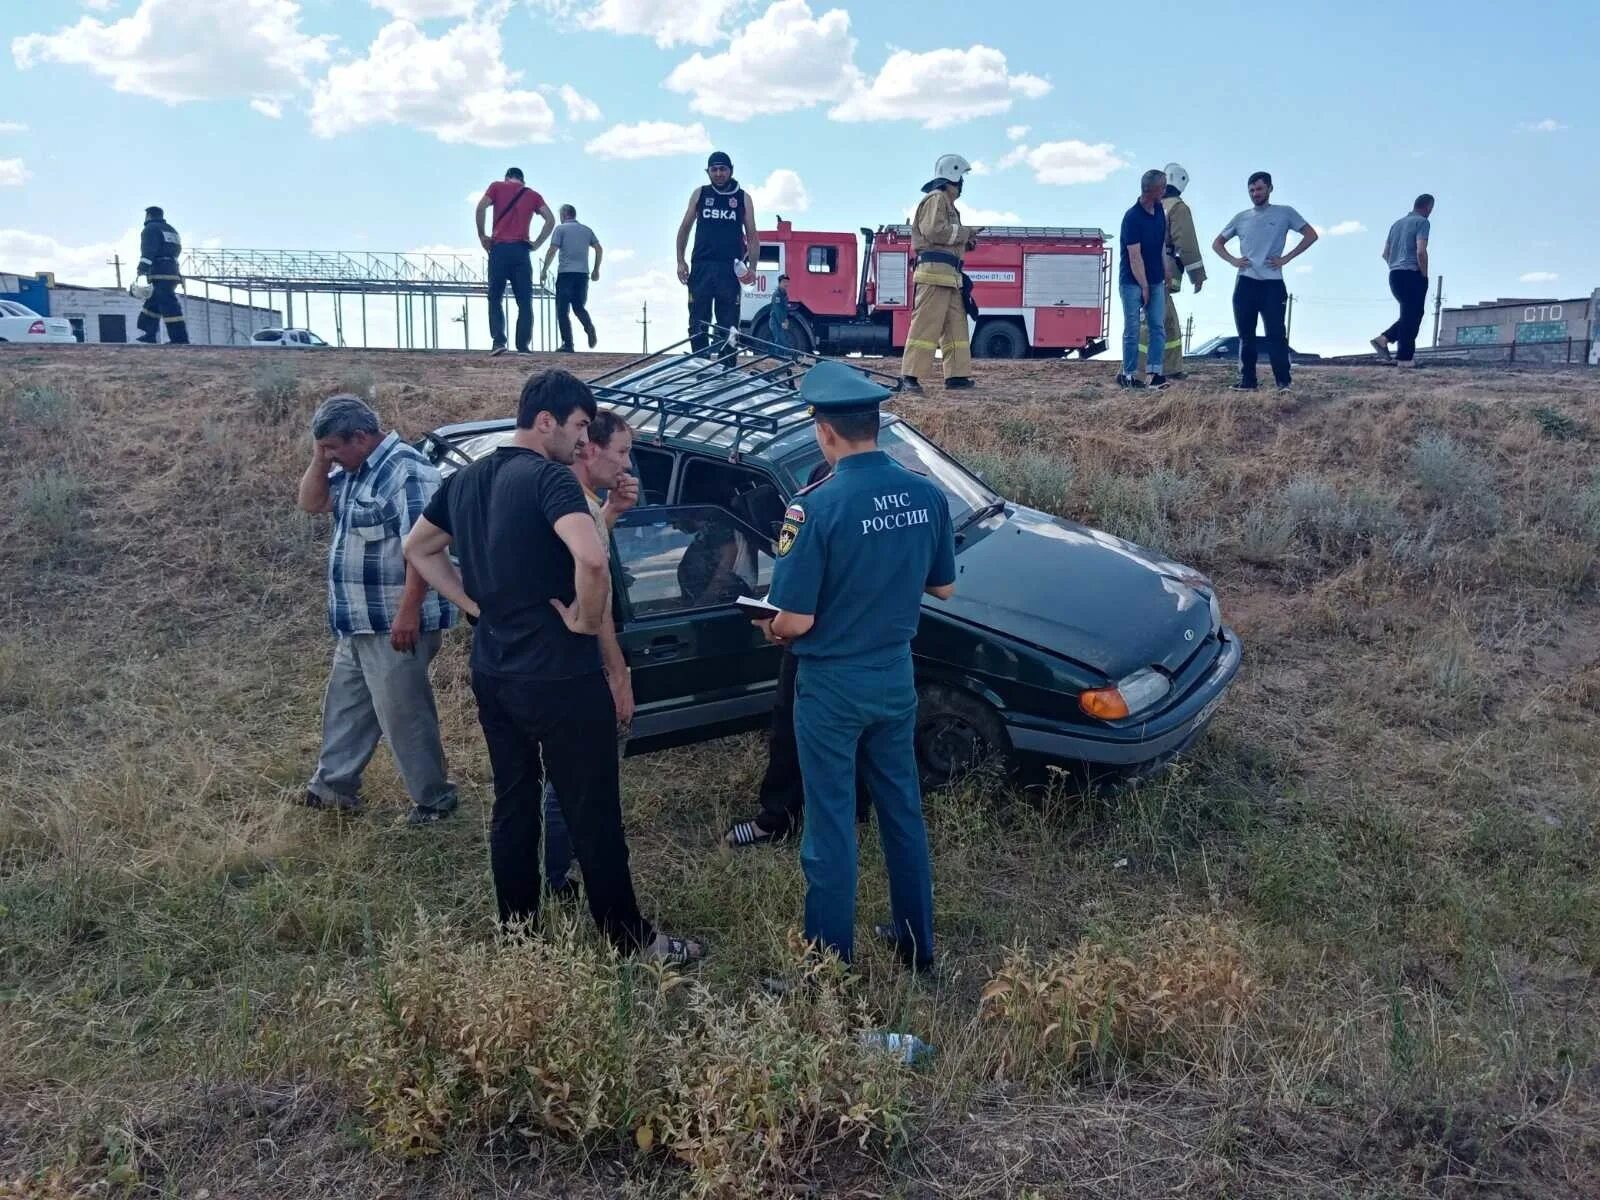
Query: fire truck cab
(1040,290)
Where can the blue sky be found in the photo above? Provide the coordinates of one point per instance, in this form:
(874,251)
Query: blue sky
(349,124)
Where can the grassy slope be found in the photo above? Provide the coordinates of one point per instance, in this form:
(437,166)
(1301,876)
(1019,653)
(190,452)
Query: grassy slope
(1395,810)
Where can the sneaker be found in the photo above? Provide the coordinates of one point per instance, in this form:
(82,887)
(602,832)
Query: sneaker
(1128,381)
(751,833)
(1381,348)
(1158,383)
(593,339)
(1174,376)
(428,816)
(1242,387)
(145,341)
(497,352)
(565,350)
(1285,387)
(960,381)
(910,383)
(312,800)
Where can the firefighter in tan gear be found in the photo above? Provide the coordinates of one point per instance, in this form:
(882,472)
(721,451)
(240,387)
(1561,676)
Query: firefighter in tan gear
(938,316)
(1183,255)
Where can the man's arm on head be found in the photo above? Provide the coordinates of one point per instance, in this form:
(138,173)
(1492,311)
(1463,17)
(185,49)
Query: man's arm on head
(315,494)
(427,548)
(549,224)
(591,577)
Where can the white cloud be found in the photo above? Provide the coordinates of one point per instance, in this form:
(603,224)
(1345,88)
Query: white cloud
(979,167)
(1302,269)
(267,108)
(1538,277)
(13,172)
(178,50)
(1548,125)
(669,22)
(13,127)
(1015,133)
(579,107)
(650,139)
(783,60)
(1067,162)
(971,215)
(446,250)
(1346,228)
(424,10)
(86,264)
(782,192)
(940,88)
(622,255)
(455,86)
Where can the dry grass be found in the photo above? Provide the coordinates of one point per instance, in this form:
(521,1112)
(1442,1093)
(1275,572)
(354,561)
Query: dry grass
(1372,883)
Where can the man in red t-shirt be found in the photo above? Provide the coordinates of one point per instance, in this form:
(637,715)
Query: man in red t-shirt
(511,254)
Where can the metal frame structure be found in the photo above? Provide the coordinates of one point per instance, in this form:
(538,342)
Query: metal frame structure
(747,402)
(416,280)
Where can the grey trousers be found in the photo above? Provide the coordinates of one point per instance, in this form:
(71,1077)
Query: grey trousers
(375,691)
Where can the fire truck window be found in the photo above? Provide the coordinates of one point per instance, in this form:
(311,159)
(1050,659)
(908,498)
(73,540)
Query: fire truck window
(822,260)
(770,255)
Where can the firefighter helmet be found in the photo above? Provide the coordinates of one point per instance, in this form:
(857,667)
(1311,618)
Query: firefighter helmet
(951,168)
(1177,177)
(140,291)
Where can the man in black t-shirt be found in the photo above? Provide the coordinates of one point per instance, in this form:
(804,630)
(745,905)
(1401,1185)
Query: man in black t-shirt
(535,581)
(724,225)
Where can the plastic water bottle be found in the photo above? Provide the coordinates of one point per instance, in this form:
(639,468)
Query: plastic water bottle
(907,1047)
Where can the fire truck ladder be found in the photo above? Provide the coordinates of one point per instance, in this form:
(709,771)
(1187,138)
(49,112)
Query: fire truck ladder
(743,392)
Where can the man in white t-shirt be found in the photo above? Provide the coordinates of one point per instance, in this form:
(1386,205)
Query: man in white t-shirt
(1260,293)
(573,276)
(602,464)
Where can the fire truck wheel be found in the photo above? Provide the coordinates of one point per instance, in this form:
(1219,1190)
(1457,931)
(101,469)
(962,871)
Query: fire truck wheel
(1000,339)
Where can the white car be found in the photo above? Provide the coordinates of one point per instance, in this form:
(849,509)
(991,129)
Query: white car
(19,323)
(289,339)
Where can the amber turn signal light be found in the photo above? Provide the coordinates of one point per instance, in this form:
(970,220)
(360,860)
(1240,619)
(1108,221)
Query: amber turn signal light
(1105,703)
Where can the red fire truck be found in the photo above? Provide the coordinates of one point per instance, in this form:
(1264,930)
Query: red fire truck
(1041,290)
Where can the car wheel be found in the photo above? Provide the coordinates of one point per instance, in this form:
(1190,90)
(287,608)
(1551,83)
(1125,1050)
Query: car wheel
(955,733)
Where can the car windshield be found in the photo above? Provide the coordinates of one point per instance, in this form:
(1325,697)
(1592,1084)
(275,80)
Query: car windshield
(965,493)
(1207,346)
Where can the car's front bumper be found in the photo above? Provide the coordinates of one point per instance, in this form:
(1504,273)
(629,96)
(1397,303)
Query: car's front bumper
(1134,743)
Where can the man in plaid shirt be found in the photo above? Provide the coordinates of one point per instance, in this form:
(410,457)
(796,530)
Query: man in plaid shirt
(386,621)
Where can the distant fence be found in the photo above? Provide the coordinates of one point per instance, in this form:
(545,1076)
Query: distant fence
(1569,351)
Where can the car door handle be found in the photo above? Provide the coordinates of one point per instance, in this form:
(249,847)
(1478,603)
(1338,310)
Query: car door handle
(665,647)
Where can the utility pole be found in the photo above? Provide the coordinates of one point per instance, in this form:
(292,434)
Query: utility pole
(1288,320)
(1188,334)
(1438,308)
(645,322)
(116,261)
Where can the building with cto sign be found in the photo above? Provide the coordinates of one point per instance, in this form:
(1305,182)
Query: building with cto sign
(102,314)
(1523,330)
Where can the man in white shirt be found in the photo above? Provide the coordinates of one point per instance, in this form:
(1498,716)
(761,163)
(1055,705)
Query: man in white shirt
(1260,293)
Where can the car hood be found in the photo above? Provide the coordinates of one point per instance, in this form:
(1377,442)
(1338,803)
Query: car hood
(1079,592)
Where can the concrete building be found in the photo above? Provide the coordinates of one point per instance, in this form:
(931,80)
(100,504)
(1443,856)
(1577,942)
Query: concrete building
(101,314)
(1521,330)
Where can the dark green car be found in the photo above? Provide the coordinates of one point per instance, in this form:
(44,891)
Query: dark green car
(1062,643)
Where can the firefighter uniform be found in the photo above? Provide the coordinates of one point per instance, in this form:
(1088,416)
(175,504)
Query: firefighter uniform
(1183,256)
(159,248)
(938,319)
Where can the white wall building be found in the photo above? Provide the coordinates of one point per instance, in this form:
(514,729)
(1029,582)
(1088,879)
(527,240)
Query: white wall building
(110,315)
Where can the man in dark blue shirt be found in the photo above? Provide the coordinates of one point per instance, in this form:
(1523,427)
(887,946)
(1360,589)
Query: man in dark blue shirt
(1142,278)
(856,553)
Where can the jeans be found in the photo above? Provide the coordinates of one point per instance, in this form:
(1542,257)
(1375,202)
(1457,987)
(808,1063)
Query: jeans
(511,262)
(714,297)
(572,725)
(1134,312)
(1266,299)
(375,691)
(783,795)
(1410,288)
(572,293)
(842,708)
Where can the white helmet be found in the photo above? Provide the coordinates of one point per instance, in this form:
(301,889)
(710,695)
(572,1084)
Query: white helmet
(1177,177)
(951,168)
(140,291)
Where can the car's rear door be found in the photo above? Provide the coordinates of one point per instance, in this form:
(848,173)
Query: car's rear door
(700,669)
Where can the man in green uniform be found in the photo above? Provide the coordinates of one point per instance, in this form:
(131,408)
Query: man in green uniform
(856,552)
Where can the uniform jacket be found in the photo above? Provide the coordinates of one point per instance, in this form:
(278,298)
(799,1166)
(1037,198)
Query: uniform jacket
(159,248)
(1183,247)
(937,226)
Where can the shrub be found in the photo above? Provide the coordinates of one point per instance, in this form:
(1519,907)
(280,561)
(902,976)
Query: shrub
(52,504)
(1179,994)
(358,381)
(554,1036)
(1152,509)
(276,390)
(1031,477)
(46,408)
(1451,477)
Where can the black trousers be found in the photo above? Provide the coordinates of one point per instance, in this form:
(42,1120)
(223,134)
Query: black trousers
(783,794)
(1410,288)
(163,308)
(713,299)
(511,262)
(1266,299)
(572,296)
(573,724)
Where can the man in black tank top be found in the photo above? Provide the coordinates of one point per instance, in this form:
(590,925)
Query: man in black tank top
(724,224)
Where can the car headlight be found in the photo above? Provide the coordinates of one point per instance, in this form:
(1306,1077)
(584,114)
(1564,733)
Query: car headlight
(1216,613)
(1130,694)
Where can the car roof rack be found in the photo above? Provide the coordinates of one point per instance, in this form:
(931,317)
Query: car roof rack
(742,392)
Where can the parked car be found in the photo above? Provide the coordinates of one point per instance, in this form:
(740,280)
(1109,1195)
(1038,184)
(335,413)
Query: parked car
(19,323)
(289,339)
(1228,348)
(1062,643)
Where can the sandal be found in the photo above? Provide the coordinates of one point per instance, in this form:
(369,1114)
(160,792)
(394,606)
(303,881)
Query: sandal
(672,951)
(749,833)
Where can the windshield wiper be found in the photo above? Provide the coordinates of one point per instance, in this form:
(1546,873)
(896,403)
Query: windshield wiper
(993,508)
